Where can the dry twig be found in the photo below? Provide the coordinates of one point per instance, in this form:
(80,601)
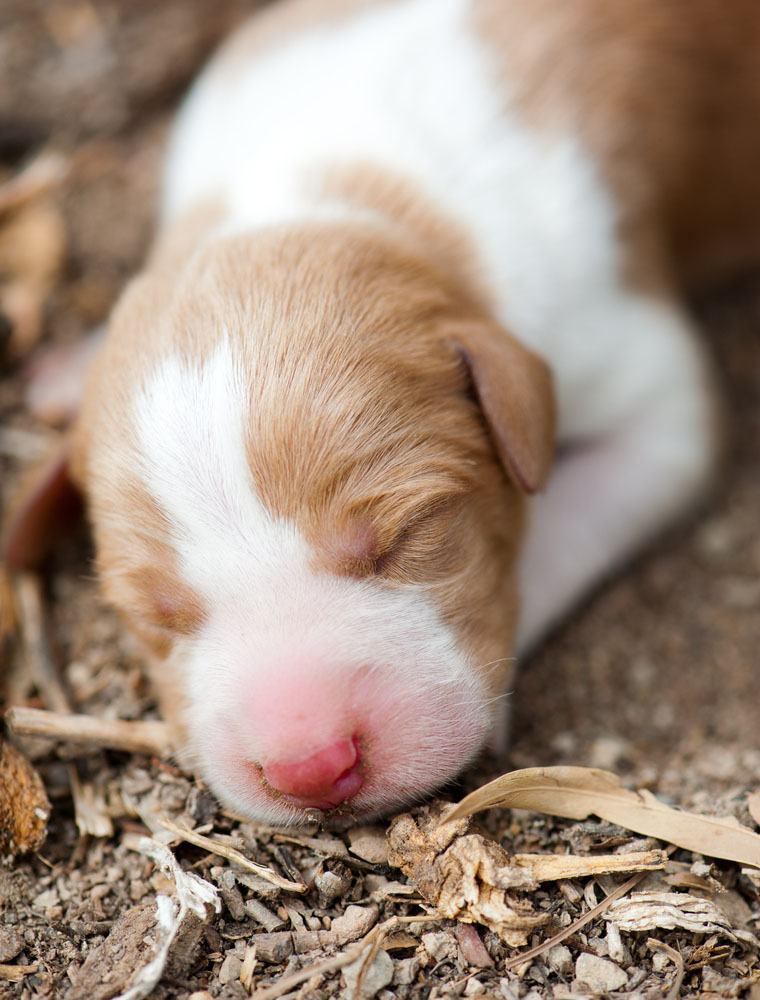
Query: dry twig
(223,851)
(88,731)
(15,973)
(675,957)
(579,792)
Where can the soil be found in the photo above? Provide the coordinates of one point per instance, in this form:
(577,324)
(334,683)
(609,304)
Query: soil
(655,678)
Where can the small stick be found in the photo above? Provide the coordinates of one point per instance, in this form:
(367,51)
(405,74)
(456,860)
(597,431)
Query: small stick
(31,611)
(88,731)
(214,847)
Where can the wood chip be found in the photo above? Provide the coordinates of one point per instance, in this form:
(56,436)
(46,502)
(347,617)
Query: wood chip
(248,967)
(554,867)
(675,989)
(91,811)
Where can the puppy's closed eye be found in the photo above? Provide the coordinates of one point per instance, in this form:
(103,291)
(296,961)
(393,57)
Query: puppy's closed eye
(398,541)
(424,545)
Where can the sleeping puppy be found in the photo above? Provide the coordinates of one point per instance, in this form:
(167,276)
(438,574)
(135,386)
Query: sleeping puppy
(409,252)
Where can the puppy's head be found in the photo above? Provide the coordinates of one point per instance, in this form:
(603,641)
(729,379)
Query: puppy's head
(305,457)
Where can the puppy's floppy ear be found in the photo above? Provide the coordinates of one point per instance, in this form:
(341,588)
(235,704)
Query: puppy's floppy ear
(515,390)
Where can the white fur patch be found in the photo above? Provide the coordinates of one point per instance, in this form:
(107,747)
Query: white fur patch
(271,614)
(404,86)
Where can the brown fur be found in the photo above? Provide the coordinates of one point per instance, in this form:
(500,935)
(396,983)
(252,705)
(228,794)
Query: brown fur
(667,95)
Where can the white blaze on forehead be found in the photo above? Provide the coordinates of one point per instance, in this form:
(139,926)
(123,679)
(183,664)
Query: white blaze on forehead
(191,432)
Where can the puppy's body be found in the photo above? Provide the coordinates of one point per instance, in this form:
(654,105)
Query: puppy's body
(369,206)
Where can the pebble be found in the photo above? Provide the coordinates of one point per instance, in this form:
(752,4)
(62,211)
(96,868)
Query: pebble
(616,949)
(376,977)
(354,923)
(559,959)
(600,974)
(406,971)
(230,970)
(11,943)
(330,887)
(439,944)
(607,752)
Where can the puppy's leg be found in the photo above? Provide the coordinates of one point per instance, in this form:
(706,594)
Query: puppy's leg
(639,428)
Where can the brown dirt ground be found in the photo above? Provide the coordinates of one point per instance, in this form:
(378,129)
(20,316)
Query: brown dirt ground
(656,677)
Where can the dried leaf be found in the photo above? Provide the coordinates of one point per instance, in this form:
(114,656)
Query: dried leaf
(24,806)
(579,792)
(465,876)
(646,911)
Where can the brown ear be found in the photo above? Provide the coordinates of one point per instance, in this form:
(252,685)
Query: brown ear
(46,504)
(515,390)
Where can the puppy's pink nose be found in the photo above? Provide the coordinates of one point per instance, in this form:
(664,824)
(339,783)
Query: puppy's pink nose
(327,778)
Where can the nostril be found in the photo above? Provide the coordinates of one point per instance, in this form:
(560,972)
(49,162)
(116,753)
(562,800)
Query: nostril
(326,778)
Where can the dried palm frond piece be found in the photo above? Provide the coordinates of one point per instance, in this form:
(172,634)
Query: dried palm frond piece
(579,792)
(470,878)
(24,806)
